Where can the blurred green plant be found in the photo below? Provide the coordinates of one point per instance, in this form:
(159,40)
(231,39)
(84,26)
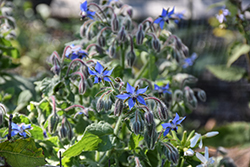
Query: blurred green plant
(231,23)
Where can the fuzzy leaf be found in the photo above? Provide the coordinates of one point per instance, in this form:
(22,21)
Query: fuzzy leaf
(22,152)
(237,52)
(230,74)
(94,138)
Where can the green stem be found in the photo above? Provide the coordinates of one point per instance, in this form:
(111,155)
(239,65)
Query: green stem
(181,162)
(141,71)
(116,131)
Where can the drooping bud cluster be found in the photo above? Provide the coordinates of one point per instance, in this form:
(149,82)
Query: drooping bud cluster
(138,124)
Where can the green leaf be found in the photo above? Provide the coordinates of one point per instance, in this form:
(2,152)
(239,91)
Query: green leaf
(88,142)
(225,73)
(36,132)
(22,152)
(23,99)
(134,141)
(47,85)
(237,52)
(94,138)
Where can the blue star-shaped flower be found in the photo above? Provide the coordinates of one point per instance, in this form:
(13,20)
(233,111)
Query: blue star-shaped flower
(85,12)
(189,61)
(179,16)
(165,16)
(162,89)
(173,125)
(100,73)
(15,129)
(133,96)
(75,52)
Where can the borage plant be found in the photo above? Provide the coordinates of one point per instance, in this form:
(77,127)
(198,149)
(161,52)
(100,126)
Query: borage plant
(117,96)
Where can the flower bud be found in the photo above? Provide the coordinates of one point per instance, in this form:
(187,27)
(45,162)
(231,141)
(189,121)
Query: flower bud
(156,45)
(185,51)
(114,23)
(130,11)
(136,127)
(84,71)
(130,58)
(171,152)
(99,49)
(112,51)
(202,95)
(89,82)
(99,104)
(142,125)
(118,107)
(122,34)
(71,133)
(107,104)
(140,35)
(150,136)
(82,87)
(101,40)
(62,131)
(149,117)
(83,30)
(53,121)
(162,112)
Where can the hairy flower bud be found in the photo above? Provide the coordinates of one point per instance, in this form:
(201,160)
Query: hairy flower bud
(122,35)
(82,87)
(130,58)
(114,23)
(101,40)
(112,51)
(62,131)
(149,117)
(83,30)
(162,112)
(140,35)
(171,152)
(89,82)
(99,104)
(189,97)
(2,112)
(156,45)
(53,121)
(202,95)
(118,107)
(136,127)
(107,104)
(150,136)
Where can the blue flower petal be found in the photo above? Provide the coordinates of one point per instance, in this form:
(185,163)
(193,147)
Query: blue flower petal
(177,117)
(131,103)
(164,13)
(162,24)
(84,6)
(158,20)
(123,96)
(26,126)
(140,91)
(166,131)
(157,87)
(108,73)
(141,100)
(15,126)
(180,121)
(171,12)
(98,67)
(166,125)
(106,79)
(23,134)
(130,88)
(91,72)
(166,91)
(13,133)
(96,80)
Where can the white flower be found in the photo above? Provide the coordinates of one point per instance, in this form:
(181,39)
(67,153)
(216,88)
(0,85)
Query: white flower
(189,152)
(211,134)
(205,160)
(195,139)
